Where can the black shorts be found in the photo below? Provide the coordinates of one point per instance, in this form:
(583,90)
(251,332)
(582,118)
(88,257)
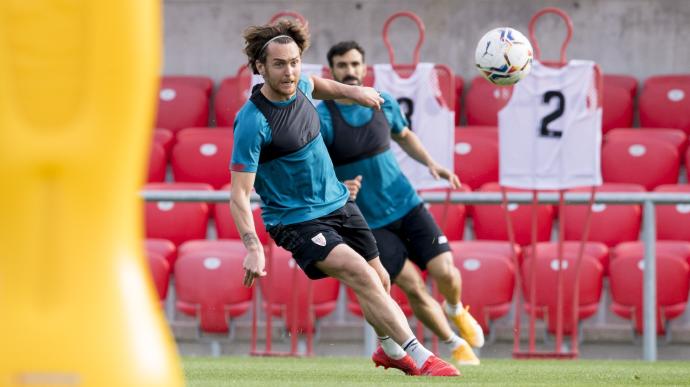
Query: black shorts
(312,241)
(415,236)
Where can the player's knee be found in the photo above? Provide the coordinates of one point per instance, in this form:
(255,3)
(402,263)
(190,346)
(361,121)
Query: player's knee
(361,277)
(443,269)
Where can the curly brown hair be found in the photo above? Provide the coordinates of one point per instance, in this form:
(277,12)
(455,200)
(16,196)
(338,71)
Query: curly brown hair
(255,38)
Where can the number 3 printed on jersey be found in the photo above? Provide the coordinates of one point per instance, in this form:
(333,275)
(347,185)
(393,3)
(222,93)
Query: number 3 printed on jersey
(544,130)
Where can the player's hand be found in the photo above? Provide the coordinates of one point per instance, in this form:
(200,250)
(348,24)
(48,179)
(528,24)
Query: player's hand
(353,186)
(439,172)
(367,96)
(254,264)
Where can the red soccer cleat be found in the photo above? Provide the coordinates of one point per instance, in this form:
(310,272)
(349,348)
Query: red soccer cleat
(435,366)
(406,364)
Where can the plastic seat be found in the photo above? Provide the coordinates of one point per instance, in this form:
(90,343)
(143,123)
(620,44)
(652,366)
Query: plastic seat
(648,162)
(665,102)
(164,138)
(203,83)
(617,106)
(484,100)
(597,250)
(225,225)
(490,221)
(488,280)
(627,82)
(673,220)
(679,249)
(232,93)
(208,283)
(177,221)
(459,86)
(160,272)
(157,164)
(181,106)
(609,223)
(675,137)
(476,156)
(203,157)
(479,247)
(164,248)
(450,217)
(672,285)
(287,288)
(546,296)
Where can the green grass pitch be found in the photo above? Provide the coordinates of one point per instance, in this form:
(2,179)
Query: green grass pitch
(352,371)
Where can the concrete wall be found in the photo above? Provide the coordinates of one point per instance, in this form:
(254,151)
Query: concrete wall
(636,37)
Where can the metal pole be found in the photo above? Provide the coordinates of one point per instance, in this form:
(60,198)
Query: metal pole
(649,282)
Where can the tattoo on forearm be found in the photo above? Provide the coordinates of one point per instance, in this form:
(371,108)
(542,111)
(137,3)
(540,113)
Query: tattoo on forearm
(250,240)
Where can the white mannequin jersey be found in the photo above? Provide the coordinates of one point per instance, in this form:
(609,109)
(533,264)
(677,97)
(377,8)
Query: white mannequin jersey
(428,117)
(550,130)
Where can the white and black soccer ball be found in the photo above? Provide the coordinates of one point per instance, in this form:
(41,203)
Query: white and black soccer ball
(504,56)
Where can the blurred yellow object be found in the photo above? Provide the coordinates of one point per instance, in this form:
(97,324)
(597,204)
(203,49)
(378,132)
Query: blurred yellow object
(78,82)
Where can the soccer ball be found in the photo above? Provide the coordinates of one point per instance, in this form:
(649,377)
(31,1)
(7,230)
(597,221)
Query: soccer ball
(504,56)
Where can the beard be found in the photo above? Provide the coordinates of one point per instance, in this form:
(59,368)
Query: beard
(351,80)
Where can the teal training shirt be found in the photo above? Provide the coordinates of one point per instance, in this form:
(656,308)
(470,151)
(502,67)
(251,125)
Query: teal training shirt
(296,187)
(386,194)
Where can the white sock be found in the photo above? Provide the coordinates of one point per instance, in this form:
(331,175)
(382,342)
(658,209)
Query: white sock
(417,351)
(391,348)
(454,309)
(454,342)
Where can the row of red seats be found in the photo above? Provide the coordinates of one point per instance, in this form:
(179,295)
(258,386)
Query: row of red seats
(649,157)
(208,282)
(609,224)
(664,101)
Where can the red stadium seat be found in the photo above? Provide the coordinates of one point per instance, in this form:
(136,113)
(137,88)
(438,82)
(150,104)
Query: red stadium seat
(450,217)
(203,157)
(476,156)
(617,107)
(627,82)
(490,222)
(648,162)
(665,102)
(597,250)
(675,137)
(459,85)
(610,224)
(208,283)
(177,221)
(181,106)
(232,93)
(488,280)
(672,285)
(546,272)
(163,247)
(678,249)
(157,164)
(484,100)
(218,132)
(165,138)
(203,83)
(479,247)
(673,220)
(280,288)
(160,272)
(226,225)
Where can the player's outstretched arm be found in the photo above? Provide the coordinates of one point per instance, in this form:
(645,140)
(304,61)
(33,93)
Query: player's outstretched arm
(410,143)
(328,89)
(240,207)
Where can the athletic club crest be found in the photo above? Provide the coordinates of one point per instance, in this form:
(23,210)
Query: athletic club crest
(319,239)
